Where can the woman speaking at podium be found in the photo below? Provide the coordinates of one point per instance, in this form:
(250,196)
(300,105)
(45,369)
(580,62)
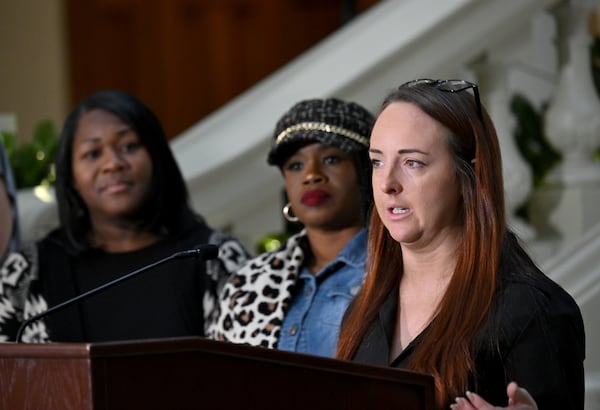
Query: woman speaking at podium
(122,204)
(449,290)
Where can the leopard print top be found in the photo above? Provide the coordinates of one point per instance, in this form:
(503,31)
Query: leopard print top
(254,301)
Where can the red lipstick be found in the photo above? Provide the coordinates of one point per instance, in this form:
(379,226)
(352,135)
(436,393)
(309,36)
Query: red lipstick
(314,197)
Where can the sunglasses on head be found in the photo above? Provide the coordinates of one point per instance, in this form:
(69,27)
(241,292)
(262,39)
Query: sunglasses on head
(451,86)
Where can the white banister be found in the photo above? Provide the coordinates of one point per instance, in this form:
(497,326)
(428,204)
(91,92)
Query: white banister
(568,202)
(517,174)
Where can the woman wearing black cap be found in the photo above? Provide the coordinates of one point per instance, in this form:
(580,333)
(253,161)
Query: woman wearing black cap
(294,298)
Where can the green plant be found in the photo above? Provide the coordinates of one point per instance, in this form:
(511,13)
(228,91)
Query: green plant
(32,163)
(531,139)
(532,143)
(270,242)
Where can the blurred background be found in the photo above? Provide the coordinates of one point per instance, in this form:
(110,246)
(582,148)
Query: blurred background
(184,58)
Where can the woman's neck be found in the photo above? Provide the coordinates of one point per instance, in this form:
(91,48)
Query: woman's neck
(326,245)
(116,237)
(433,261)
(425,278)
(419,270)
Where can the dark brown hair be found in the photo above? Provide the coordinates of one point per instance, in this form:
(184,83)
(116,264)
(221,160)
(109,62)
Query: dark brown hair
(446,350)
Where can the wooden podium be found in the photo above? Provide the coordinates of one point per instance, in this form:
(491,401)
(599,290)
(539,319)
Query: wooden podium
(195,373)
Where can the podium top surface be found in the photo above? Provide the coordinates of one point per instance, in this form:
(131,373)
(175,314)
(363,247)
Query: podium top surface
(158,371)
(194,344)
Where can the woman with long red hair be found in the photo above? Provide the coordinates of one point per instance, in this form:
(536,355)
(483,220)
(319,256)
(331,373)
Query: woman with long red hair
(449,290)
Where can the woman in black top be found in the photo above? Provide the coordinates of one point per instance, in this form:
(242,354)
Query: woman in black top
(449,291)
(123,204)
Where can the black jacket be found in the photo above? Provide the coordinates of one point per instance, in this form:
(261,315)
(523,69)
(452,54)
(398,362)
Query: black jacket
(540,340)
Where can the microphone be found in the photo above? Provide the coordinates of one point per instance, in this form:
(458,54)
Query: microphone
(205,252)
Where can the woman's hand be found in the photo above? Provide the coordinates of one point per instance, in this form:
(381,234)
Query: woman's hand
(518,399)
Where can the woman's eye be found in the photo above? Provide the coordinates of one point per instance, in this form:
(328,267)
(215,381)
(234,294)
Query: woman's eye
(91,154)
(331,160)
(413,163)
(375,163)
(293,166)
(130,146)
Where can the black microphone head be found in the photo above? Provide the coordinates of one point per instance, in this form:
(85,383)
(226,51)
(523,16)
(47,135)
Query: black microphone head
(207,251)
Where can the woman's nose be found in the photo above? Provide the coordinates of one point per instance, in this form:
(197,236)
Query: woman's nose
(113,160)
(389,183)
(313,173)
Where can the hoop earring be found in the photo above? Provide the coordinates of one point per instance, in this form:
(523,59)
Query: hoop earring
(287,213)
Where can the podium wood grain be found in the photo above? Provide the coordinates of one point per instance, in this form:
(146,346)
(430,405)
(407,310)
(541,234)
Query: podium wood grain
(195,373)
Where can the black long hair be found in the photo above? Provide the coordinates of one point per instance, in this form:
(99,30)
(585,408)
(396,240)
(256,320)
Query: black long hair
(166,208)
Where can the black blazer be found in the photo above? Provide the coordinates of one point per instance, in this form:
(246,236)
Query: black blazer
(541,344)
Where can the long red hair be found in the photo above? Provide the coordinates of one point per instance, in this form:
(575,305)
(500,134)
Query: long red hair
(446,350)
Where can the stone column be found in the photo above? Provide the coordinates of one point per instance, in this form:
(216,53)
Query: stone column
(518,178)
(567,204)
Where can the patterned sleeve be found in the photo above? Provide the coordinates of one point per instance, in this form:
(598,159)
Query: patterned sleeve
(19,299)
(253,303)
(232,256)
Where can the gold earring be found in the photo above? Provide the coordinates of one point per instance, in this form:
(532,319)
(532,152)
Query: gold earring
(287,213)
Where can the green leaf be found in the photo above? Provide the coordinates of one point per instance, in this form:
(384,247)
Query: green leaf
(32,162)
